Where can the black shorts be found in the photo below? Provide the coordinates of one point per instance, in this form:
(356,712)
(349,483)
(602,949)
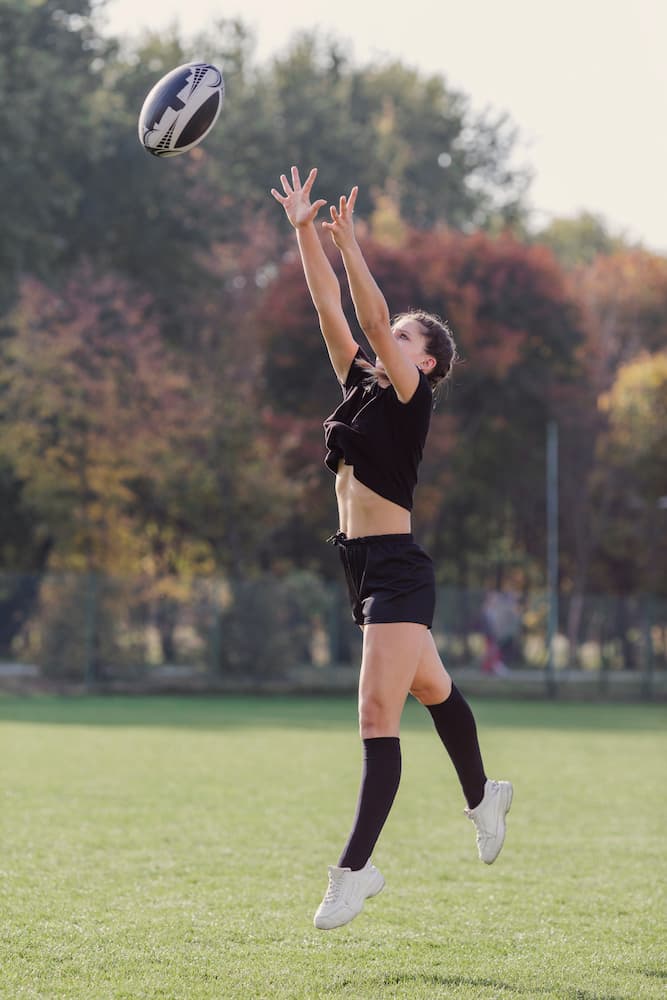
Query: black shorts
(389,579)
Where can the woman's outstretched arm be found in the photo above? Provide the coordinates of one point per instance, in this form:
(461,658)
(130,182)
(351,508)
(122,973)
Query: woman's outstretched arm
(320,277)
(369,302)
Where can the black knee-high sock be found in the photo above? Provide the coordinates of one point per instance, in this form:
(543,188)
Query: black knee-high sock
(380,777)
(456,727)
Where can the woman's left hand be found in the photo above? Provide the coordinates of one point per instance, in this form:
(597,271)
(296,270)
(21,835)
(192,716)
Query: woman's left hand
(341,226)
(296,200)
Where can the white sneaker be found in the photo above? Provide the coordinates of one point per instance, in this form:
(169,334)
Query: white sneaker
(346,894)
(489,819)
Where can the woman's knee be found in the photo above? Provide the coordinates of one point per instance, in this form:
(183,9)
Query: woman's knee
(391,651)
(378,717)
(431,684)
(431,693)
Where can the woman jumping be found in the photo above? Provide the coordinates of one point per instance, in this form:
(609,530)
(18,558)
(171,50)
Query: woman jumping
(375,440)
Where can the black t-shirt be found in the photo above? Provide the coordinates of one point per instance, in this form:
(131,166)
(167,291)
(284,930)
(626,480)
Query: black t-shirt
(382,438)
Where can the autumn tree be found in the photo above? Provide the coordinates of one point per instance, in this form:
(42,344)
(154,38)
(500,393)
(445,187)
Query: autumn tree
(632,468)
(88,403)
(623,298)
(228,486)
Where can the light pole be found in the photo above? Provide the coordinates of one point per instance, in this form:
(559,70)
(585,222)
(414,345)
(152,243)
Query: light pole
(552,553)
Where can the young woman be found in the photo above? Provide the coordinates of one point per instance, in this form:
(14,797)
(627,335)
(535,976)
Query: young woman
(375,440)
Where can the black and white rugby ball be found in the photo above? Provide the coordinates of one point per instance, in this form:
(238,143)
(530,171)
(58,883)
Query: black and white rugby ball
(181,109)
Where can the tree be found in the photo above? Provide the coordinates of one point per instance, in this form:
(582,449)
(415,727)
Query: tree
(623,297)
(393,131)
(49,75)
(633,453)
(518,331)
(231,487)
(578,241)
(150,219)
(88,405)
(385,127)
(82,188)
(25,544)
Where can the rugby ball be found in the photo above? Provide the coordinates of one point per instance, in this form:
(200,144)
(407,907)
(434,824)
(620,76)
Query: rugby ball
(181,109)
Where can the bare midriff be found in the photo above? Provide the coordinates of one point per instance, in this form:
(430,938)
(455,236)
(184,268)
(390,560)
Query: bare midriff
(362,512)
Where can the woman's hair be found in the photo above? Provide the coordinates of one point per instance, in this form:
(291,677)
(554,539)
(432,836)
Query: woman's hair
(439,343)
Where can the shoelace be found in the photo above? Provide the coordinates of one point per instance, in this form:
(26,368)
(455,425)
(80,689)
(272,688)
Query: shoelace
(334,888)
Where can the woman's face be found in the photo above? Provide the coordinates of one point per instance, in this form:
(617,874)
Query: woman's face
(408,333)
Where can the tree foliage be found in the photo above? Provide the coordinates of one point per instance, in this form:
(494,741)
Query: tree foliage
(83,186)
(49,54)
(87,404)
(580,240)
(164,382)
(633,454)
(623,298)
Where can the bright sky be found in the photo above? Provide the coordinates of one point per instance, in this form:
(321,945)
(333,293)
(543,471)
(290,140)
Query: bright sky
(585,81)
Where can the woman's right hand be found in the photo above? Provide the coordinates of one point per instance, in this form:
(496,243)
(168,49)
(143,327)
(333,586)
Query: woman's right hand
(296,200)
(341,226)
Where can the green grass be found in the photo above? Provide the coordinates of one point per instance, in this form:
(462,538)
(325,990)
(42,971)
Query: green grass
(177,848)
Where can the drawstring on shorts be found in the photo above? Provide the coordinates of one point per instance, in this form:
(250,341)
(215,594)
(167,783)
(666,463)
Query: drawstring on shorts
(338,538)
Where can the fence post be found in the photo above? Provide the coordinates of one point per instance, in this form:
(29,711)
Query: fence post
(646,606)
(606,615)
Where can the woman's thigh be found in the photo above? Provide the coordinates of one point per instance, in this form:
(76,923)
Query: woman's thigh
(392,652)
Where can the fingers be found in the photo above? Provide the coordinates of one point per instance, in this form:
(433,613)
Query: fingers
(340,213)
(314,209)
(296,182)
(345,206)
(310,180)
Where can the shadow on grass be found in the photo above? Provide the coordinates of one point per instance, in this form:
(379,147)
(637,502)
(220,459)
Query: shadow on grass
(433,980)
(587,995)
(654,973)
(216,712)
(380,983)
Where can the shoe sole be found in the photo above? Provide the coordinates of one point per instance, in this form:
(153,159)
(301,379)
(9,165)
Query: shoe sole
(332,927)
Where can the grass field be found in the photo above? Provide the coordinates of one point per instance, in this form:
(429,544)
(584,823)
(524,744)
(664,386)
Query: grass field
(177,848)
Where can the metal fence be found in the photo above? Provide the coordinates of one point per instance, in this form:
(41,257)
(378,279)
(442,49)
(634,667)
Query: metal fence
(296,630)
